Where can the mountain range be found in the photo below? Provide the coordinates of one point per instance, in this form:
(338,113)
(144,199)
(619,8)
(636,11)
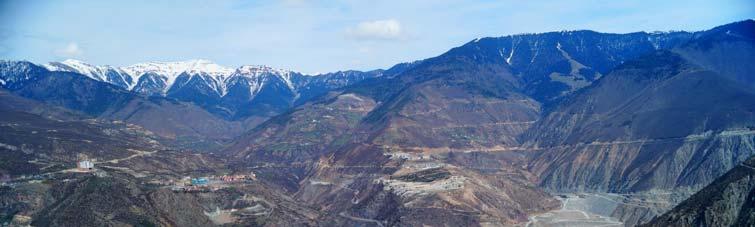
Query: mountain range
(520,130)
(224,91)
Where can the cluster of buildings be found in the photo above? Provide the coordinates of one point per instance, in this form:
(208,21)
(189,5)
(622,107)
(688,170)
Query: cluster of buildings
(202,181)
(212,183)
(237,178)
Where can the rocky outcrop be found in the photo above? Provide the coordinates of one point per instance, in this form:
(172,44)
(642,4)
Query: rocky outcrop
(728,201)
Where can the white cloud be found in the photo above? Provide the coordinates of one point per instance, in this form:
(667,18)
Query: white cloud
(70,50)
(377,30)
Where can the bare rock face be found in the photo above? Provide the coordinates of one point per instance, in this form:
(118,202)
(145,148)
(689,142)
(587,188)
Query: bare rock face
(728,201)
(407,153)
(668,122)
(665,120)
(681,127)
(423,189)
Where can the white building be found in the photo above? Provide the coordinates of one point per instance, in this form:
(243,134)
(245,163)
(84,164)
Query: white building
(86,164)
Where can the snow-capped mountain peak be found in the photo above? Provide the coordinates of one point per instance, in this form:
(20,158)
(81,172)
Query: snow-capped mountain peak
(163,75)
(205,66)
(203,77)
(171,70)
(255,70)
(72,65)
(238,92)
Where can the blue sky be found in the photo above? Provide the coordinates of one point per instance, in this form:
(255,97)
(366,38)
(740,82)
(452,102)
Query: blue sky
(317,36)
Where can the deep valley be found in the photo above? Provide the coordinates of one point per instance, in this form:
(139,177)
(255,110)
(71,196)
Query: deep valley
(569,128)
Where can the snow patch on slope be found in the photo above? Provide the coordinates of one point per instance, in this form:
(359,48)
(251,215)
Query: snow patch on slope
(171,70)
(168,70)
(258,75)
(98,73)
(163,75)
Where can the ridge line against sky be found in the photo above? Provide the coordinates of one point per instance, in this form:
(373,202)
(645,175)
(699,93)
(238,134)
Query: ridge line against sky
(317,36)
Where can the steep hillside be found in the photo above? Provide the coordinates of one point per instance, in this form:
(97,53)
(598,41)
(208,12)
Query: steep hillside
(633,129)
(285,147)
(167,117)
(34,145)
(393,152)
(661,124)
(442,141)
(12,102)
(727,50)
(551,65)
(728,201)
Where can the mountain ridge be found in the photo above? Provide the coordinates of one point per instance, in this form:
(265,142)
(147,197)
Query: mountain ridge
(505,131)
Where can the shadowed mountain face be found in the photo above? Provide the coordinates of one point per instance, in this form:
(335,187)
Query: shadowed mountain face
(193,112)
(32,143)
(727,50)
(632,129)
(247,91)
(166,117)
(660,124)
(554,64)
(728,201)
